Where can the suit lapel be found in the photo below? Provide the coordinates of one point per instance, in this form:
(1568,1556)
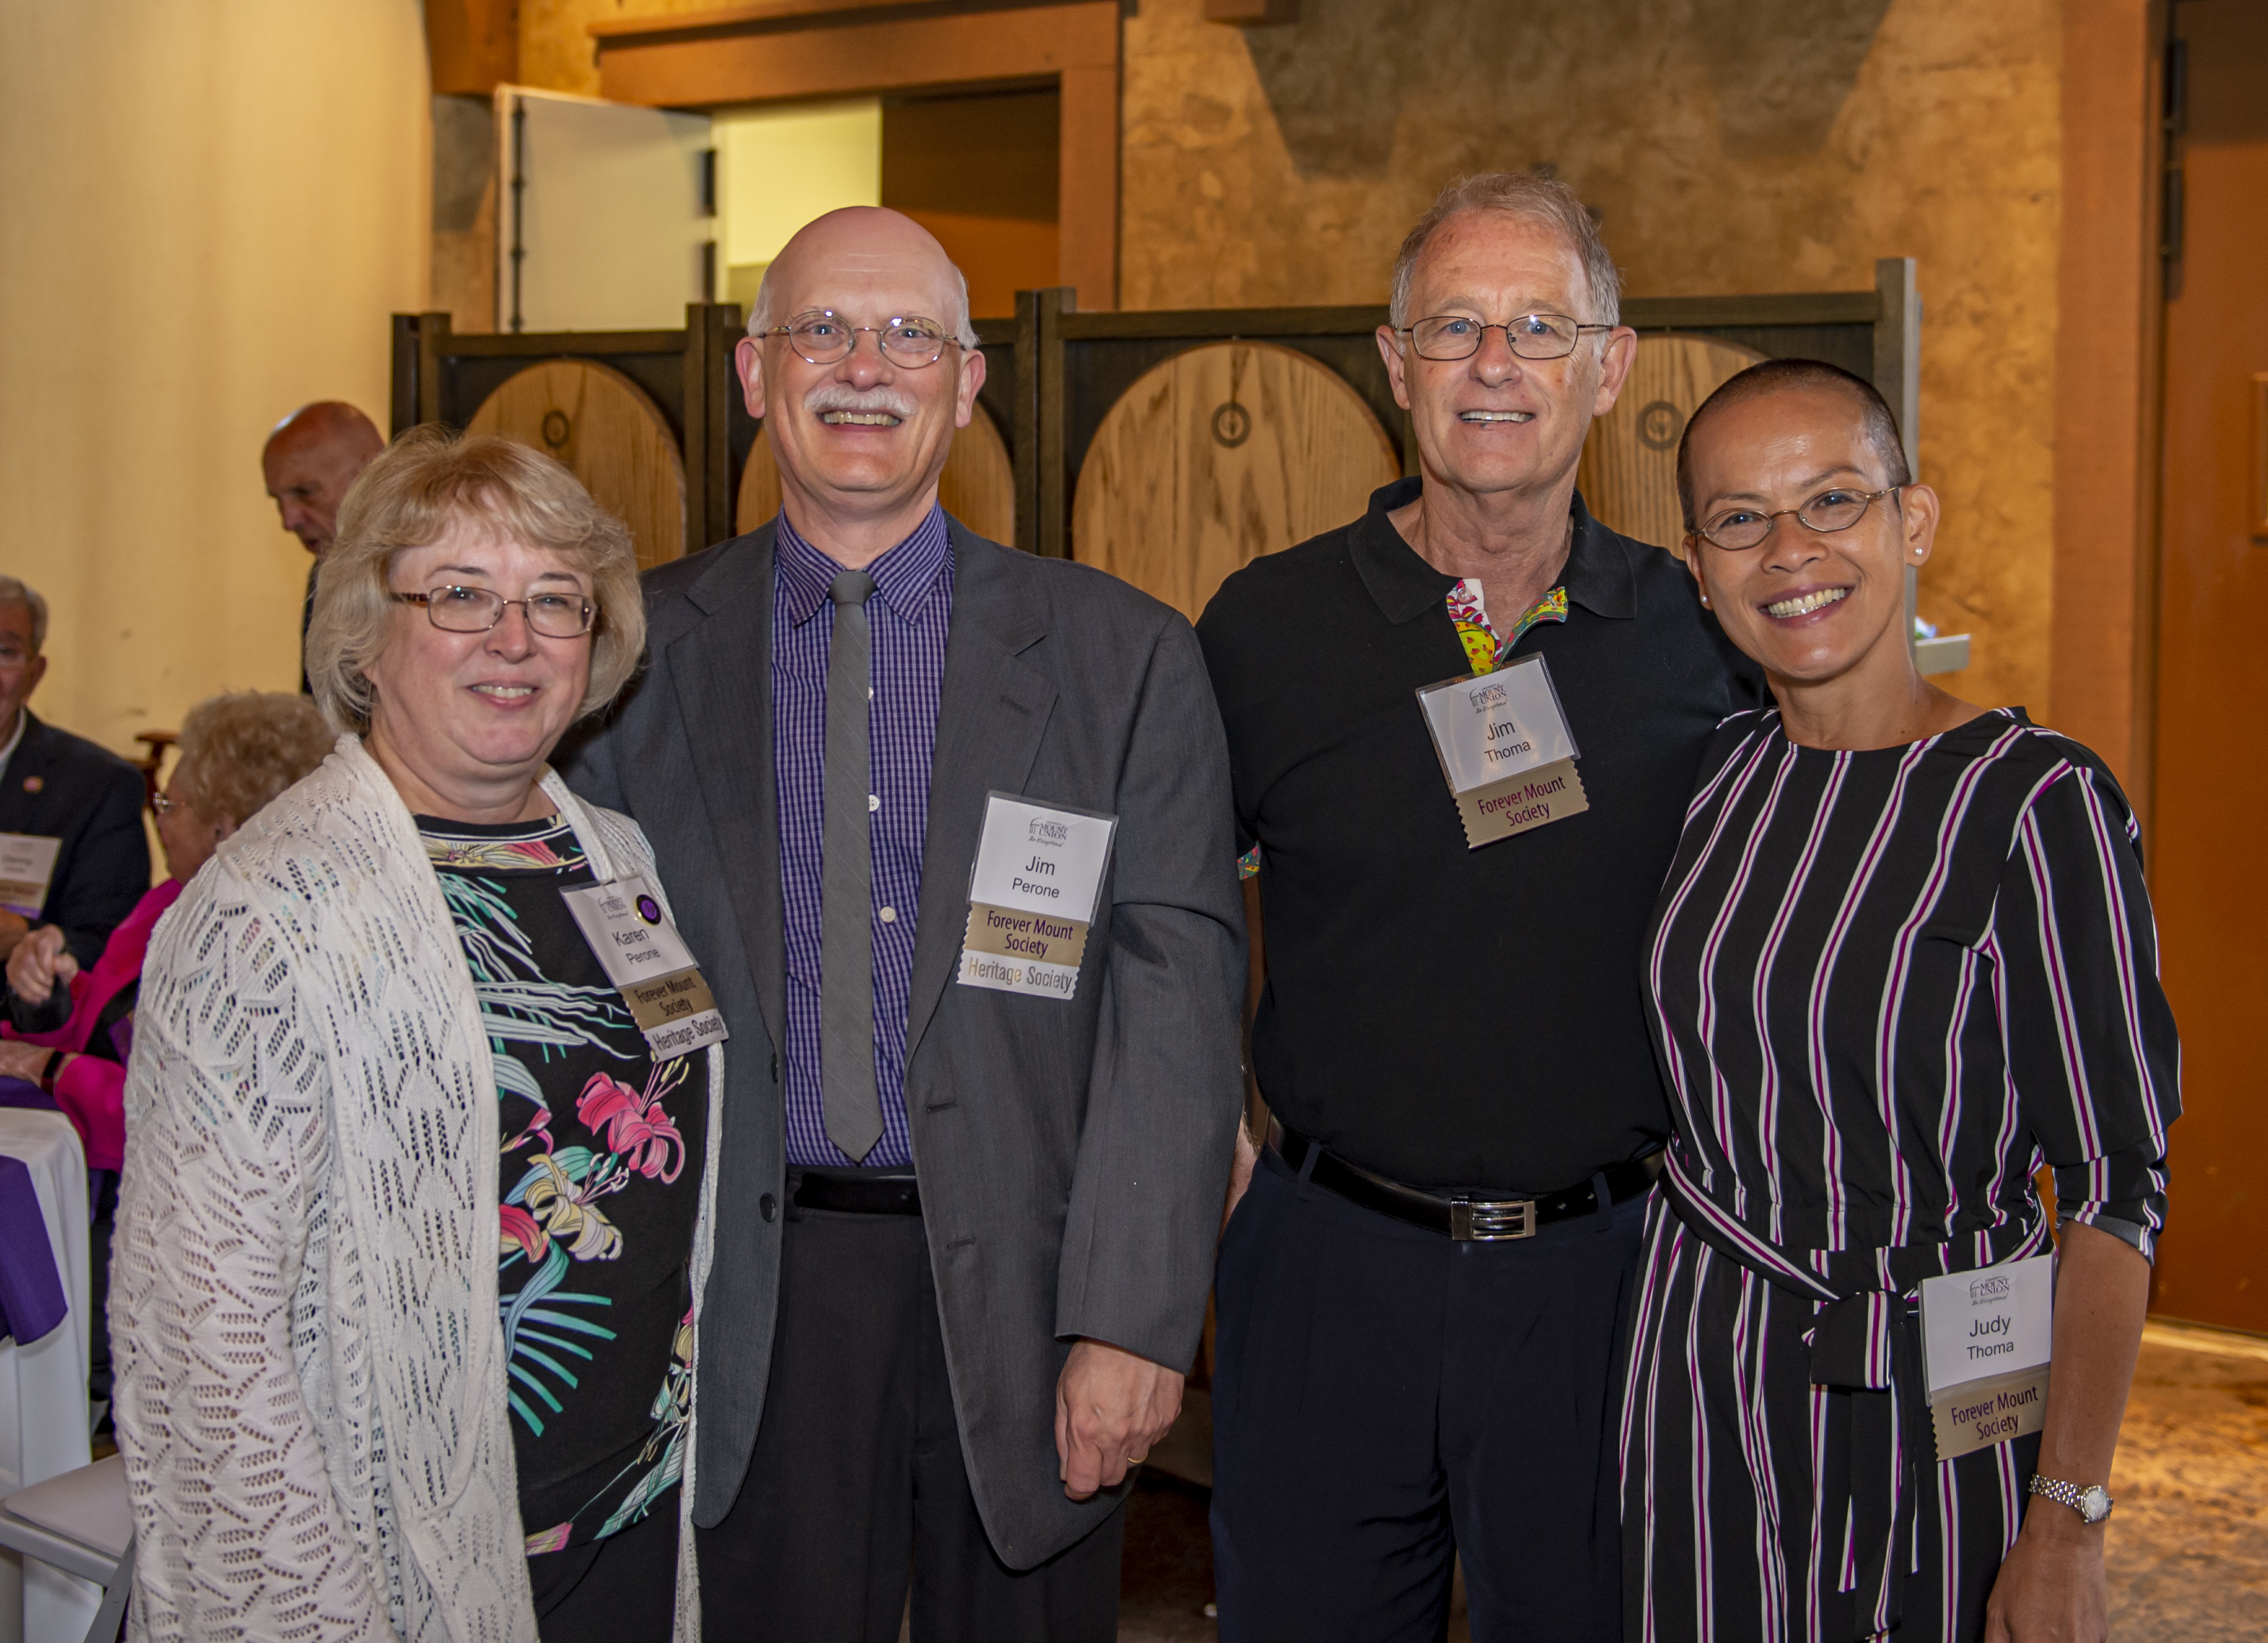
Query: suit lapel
(722,669)
(990,716)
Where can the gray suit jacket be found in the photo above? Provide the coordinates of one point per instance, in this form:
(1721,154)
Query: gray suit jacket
(1072,1156)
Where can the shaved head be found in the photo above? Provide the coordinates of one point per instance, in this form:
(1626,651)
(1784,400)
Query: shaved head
(860,240)
(311,458)
(1868,409)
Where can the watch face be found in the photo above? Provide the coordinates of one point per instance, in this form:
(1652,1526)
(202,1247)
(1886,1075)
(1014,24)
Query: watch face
(2094,1503)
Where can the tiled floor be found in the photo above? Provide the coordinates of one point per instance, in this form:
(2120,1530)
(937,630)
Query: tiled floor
(2188,1546)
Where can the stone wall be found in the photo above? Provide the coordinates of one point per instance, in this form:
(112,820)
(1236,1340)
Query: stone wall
(1729,145)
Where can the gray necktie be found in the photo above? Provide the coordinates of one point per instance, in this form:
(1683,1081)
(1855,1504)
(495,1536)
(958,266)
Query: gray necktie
(846,887)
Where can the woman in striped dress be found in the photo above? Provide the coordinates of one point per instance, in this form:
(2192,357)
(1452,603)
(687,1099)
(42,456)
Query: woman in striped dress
(1903,958)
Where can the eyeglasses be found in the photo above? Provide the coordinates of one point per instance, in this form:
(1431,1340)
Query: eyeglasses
(1530,336)
(477,609)
(824,338)
(1738,529)
(164,804)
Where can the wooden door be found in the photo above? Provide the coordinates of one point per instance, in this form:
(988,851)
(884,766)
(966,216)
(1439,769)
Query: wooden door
(2212,808)
(609,434)
(1217,456)
(1629,473)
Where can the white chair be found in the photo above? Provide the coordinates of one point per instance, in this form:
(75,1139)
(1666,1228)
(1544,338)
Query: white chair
(83,1525)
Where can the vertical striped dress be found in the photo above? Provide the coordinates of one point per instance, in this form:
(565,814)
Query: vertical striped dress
(1885,987)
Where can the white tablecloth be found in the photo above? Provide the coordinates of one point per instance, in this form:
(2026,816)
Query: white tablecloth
(43,1413)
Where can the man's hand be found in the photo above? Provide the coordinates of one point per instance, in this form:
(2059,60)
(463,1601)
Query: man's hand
(40,960)
(20,1060)
(1110,1407)
(13,927)
(1240,1166)
(2052,1587)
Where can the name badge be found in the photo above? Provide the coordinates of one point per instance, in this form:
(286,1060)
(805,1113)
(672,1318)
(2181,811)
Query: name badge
(1031,895)
(27,862)
(1506,748)
(643,955)
(1985,1338)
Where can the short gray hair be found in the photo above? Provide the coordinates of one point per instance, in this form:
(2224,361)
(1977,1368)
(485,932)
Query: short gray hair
(759,315)
(1532,197)
(15,593)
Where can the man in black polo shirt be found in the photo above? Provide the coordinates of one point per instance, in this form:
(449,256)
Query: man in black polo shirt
(1421,1296)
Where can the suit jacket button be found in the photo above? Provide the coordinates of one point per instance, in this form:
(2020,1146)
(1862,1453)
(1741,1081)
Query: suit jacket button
(768,1206)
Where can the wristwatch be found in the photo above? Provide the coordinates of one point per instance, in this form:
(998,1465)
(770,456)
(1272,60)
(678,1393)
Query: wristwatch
(2092,1503)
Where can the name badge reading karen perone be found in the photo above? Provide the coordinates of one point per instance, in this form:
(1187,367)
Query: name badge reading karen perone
(643,955)
(1506,748)
(1031,895)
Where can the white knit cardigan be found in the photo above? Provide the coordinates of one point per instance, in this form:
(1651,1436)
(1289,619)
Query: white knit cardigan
(310,1370)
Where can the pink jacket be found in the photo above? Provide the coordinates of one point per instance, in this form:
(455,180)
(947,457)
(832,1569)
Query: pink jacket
(90,1090)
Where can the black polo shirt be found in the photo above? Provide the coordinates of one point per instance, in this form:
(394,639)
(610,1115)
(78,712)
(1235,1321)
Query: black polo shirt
(1445,1016)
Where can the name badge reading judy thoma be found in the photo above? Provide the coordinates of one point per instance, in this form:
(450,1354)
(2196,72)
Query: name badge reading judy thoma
(1986,1337)
(645,956)
(1506,748)
(1031,895)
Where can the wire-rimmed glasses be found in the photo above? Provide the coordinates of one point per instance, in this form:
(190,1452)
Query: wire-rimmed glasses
(456,609)
(823,338)
(1838,508)
(1530,336)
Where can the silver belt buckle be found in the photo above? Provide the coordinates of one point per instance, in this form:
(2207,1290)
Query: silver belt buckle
(1492,1220)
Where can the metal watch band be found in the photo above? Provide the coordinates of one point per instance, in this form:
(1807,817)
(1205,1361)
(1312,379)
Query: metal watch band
(2074,1497)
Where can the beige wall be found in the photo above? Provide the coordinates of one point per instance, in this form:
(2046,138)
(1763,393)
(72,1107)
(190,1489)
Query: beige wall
(1730,145)
(210,210)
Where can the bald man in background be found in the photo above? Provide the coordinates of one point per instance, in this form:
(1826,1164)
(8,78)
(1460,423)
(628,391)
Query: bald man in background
(310,461)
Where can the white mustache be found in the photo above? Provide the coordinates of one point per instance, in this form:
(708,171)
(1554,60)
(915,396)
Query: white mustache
(835,396)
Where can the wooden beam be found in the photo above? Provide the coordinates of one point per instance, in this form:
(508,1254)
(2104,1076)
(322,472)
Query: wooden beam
(1249,11)
(761,53)
(472,45)
(726,19)
(2109,297)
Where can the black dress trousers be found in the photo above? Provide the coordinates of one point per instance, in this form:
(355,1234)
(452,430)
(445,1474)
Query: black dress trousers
(1385,1399)
(857,1486)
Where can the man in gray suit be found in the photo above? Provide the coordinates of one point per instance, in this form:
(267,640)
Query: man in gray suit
(948,827)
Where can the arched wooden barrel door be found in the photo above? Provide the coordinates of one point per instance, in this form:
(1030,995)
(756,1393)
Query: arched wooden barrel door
(978,485)
(609,434)
(1628,472)
(1217,456)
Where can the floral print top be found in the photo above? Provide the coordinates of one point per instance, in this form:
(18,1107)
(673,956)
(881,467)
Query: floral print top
(598,1196)
(1485,647)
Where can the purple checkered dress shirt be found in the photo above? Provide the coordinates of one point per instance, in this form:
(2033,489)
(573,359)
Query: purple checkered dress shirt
(907,615)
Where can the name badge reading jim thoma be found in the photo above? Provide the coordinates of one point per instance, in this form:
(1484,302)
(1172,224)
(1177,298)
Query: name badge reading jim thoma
(1985,1338)
(1505,749)
(643,955)
(1031,895)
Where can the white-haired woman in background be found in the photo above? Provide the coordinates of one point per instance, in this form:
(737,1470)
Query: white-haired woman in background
(414,1216)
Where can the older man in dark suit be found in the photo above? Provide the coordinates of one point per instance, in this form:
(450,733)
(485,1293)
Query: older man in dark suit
(948,827)
(72,850)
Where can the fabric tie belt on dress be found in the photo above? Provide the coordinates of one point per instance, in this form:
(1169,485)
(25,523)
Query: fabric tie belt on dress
(1864,1338)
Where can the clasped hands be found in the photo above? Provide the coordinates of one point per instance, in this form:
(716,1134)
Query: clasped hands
(1111,1406)
(39,962)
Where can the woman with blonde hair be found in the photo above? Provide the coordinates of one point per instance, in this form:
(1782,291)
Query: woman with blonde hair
(415,1210)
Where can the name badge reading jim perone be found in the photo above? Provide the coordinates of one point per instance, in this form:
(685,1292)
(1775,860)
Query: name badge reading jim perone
(1505,749)
(1031,895)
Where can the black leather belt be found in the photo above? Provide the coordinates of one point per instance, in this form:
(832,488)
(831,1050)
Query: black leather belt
(1461,1216)
(856,1191)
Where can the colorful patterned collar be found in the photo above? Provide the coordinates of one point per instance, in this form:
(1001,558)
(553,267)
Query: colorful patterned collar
(1485,647)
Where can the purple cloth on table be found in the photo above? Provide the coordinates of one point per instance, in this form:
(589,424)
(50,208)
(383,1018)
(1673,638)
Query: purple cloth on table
(30,1290)
(24,1092)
